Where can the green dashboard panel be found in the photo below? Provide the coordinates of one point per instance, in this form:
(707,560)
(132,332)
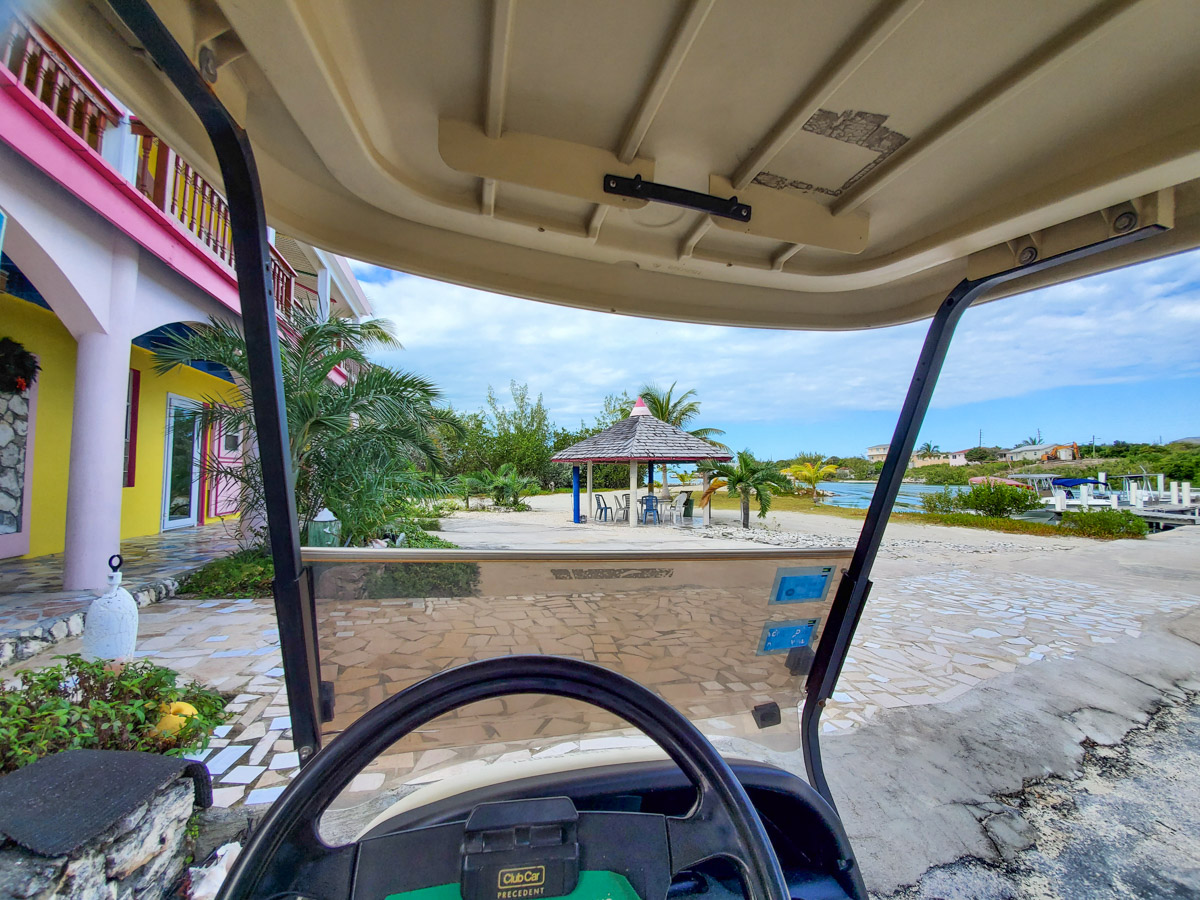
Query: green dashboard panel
(591,886)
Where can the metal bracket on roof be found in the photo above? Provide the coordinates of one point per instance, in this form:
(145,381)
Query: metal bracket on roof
(676,196)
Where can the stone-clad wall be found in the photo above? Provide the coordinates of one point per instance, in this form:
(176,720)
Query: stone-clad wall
(14,427)
(138,858)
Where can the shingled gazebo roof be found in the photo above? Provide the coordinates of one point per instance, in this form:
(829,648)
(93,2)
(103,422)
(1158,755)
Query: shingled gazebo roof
(641,438)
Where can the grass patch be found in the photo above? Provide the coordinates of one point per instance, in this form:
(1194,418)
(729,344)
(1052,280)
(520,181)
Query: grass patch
(87,705)
(247,573)
(988,523)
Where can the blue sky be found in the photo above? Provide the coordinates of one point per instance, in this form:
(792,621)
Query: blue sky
(1116,356)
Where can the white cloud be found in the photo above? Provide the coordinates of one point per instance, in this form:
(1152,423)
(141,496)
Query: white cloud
(1136,324)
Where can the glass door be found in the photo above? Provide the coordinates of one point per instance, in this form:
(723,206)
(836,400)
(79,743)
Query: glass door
(181,469)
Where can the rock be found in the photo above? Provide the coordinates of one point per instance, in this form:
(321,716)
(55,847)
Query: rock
(75,625)
(59,630)
(1009,832)
(224,826)
(23,875)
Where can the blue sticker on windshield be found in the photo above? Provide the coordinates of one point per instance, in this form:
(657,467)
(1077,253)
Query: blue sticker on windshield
(801,584)
(779,637)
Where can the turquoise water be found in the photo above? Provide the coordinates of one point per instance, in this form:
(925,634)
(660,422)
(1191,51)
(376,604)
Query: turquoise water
(854,495)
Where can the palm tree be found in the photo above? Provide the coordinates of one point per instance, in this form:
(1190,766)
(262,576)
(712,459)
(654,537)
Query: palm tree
(745,478)
(810,475)
(675,410)
(928,449)
(506,485)
(393,411)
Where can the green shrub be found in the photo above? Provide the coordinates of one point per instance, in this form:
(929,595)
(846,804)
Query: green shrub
(1103,523)
(84,705)
(416,536)
(987,499)
(247,573)
(944,502)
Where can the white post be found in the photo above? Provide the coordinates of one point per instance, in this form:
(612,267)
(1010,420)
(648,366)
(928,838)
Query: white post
(704,490)
(1114,500)
(1060,501)
(591,508)
(1137,498)
(1085,496)
(1162,486)
(633,493)
(1187,493)
(1174,493)
(93,529)
(323,304)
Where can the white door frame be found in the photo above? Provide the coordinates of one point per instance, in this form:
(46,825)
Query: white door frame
(175,401)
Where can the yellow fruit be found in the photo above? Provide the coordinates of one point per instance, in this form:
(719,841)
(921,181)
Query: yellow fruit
(169,725)
(180,708)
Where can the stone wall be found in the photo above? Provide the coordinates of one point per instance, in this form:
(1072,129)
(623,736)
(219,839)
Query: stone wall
(139,858)
(14,427)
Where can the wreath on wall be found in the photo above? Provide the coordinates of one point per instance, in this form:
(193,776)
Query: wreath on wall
(18,367)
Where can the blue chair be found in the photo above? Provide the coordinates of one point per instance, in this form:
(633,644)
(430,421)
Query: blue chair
(650,508)
(603,510)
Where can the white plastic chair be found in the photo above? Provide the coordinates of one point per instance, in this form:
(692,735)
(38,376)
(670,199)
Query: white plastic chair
(675,510)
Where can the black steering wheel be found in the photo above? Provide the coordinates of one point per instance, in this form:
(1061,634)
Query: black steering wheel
(286,857)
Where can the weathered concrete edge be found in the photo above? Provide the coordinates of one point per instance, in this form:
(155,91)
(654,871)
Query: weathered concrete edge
(917,787)
(28,642)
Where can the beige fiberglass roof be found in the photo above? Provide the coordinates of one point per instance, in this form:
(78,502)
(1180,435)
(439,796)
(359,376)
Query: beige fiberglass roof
(887,148)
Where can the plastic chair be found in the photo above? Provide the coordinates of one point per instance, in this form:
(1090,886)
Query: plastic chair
(603,510)
(622,513)
(650,508)
(675,510)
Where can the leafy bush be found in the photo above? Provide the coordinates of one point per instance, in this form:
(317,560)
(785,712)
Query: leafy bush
(417,537)
(987,499)
(1103,523)
(945,502)
(84,705)
(247,573)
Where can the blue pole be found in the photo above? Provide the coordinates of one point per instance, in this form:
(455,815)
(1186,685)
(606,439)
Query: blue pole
(575,490)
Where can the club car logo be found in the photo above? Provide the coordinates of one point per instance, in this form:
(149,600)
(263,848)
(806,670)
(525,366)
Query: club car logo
(520,882)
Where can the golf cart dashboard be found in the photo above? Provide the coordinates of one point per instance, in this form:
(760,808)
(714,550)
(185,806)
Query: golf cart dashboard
(569,833)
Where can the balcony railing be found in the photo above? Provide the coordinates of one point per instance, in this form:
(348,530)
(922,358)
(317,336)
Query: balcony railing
(44,68)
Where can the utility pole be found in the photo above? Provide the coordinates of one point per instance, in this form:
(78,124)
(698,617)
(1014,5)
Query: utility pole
(980,437)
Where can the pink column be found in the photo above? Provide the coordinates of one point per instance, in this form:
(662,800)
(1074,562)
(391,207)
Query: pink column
(93,532)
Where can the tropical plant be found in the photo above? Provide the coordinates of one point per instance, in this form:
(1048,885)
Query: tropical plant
(505,486)
(928,449)
(810,475)
(742,479)
(990,498)
(980,454)
(78,704)
(810,456)
(377,415)
(677,410)
(1105,523)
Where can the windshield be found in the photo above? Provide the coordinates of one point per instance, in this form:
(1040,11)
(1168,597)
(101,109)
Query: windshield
(726,637)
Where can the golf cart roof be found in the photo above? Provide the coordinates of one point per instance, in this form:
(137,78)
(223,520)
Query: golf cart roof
(886,149)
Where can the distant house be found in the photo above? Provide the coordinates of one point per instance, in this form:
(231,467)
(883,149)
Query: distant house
(1027,452)
(959,457)
(878,453)
(938,459)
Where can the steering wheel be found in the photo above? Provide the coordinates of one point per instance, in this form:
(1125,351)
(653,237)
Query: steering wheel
(286,857)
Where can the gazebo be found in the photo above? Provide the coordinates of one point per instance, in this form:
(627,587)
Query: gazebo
(641,438)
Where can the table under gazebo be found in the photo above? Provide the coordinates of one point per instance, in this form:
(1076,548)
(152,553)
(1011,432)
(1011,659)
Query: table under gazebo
(641,438)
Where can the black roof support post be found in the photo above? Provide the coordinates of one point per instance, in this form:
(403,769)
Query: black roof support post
(293,599)
(855,585)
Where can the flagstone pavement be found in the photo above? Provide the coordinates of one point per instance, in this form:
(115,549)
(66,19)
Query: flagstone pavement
(924,638)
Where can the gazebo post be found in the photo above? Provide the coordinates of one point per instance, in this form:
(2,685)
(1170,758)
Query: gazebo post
(632,493)
(708,506)
(591,506)
(575,494)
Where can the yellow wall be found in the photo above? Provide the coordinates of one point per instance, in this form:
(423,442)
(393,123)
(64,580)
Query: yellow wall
(40,331)
(43,335)
(141,505)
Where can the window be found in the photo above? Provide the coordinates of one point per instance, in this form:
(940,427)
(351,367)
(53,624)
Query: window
(131,422)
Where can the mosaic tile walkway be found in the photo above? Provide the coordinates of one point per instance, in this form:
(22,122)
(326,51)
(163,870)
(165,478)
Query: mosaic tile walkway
(923,639)
(34,606)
